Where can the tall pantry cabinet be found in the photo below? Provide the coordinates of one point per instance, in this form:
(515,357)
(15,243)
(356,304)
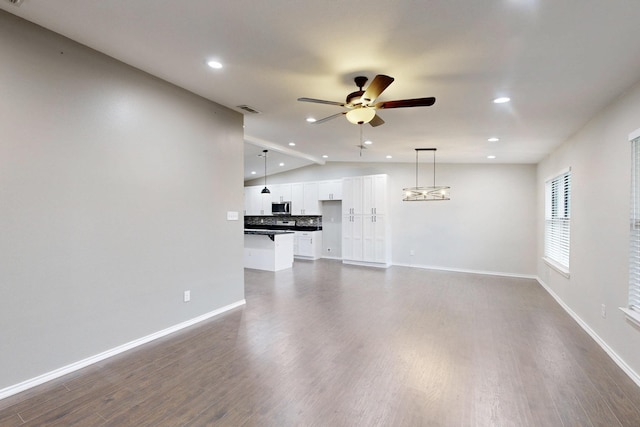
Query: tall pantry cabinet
(365,233)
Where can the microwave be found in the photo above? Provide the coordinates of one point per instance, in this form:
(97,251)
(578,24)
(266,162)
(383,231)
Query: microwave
(281,208)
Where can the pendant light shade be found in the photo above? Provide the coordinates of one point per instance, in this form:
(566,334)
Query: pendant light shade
(265,190)
(425,194)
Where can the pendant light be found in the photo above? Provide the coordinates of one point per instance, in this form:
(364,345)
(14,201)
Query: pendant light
(417,194)
(265,190)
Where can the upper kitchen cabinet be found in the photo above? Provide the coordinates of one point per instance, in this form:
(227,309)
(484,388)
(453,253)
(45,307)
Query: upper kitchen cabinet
(330,190)
(374,194)
(255,202)
(352,195)
(304,199)
(281,193)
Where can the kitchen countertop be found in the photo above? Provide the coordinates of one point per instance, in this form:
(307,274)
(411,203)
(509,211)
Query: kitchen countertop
(266,232)
(283,228)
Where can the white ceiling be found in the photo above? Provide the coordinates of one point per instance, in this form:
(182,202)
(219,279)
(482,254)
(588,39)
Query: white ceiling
(559,61)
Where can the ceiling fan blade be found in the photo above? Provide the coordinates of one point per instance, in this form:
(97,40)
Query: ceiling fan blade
(321,101)
(376,121)
(377,86)
(403,103)
(326,119)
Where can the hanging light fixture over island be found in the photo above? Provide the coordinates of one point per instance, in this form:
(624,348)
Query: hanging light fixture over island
(420,194)
(265,190)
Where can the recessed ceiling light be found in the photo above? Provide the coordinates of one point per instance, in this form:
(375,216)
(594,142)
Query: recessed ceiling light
(491,157)
(311,119)
(253,172)
(367,142)
(501,100)
(389,157)
(494,139)
(214,64)
(281,164)
(324,156)
(292,144)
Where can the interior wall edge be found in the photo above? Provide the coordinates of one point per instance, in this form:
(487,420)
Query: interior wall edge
(72,367)
(635,377)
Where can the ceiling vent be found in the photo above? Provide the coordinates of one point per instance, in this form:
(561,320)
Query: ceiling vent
(15,2)
(248,109)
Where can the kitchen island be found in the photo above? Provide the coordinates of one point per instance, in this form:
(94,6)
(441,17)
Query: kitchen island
(269,250)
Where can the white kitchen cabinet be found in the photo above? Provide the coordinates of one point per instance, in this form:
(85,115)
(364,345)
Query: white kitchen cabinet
(374,239)
(365,234)
(256,203)
(304,199)
(352,238)
(374,194)
(352,195)
(330,190)
(307,244)
(280,193)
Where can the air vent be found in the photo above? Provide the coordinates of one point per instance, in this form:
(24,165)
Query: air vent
(248,109)
(15,2)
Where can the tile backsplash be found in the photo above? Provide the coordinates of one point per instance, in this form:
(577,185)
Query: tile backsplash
(301,221)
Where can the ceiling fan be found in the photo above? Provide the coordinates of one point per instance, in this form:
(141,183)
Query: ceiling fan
(360,104)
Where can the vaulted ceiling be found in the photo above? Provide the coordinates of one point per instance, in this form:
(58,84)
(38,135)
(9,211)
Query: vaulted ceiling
(559,61)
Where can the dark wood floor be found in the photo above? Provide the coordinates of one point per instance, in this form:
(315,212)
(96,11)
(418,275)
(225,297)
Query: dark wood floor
(332,345)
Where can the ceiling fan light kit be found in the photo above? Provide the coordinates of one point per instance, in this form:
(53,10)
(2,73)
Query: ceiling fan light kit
(361,106)
(361,115)
(426,194)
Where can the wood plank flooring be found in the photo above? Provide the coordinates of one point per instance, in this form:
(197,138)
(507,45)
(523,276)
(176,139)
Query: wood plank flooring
(330,345)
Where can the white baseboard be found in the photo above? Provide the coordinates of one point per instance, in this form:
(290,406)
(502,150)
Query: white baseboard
(41,379)
(462,270)
(612,354)
(367,264)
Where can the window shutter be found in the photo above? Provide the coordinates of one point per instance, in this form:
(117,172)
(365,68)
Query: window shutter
(634,227)
(558,219)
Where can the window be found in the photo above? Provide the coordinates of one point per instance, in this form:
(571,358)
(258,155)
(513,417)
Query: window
(634,227)
(557,221)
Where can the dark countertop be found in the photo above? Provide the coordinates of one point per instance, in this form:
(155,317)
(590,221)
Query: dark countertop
(282,228)
(267,232)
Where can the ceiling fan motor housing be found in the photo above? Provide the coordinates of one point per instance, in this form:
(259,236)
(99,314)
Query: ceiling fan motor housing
(355,98)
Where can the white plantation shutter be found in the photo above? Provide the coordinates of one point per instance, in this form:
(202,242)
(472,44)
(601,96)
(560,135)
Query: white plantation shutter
(634,250)
(558,219)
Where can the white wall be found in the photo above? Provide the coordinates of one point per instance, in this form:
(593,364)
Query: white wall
(599,157)
(114,187)
(488,226)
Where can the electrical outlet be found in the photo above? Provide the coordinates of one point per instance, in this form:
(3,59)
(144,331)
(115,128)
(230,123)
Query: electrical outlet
(412,252)
(187,296)
(603,311)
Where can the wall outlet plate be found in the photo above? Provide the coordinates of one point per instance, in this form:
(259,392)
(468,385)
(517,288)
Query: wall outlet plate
(187,296)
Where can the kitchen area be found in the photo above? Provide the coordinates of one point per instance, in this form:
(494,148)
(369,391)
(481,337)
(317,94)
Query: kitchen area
(285,223)
(282,224)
